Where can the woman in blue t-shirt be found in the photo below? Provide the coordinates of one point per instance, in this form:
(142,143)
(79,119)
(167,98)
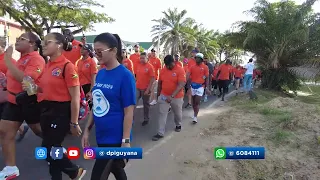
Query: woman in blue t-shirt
(113,96)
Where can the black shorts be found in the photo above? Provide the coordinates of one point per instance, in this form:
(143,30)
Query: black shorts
(2,105)
(18,113)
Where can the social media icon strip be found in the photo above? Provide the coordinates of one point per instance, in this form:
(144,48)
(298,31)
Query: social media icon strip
(40,153)
(89,153)
(56,153)
(73,153)
(220,153)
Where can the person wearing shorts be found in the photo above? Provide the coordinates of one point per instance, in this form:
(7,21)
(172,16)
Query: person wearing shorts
(237,71)
(30,64)
(198,75)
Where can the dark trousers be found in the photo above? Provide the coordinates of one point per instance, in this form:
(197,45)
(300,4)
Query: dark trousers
(223,86)
(214,84)
(55,125)
(103,167)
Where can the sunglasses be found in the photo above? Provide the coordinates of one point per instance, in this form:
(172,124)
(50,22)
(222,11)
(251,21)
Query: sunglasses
(47,42)
(22,39)
(99,53)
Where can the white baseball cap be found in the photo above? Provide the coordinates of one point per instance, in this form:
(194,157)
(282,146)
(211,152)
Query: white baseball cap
(200,55)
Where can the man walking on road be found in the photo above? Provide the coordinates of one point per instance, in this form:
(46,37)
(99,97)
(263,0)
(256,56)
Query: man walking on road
(145,78)
(170,93)
(210,67)
(156,63)
(247,80)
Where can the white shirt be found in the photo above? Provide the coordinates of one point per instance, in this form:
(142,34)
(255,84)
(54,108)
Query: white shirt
(249,67)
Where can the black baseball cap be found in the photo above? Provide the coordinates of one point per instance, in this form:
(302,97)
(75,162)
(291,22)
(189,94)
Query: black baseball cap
(87,47)
(152,50)
(137,45)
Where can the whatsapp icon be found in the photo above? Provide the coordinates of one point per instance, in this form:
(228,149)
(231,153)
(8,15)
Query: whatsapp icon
(220,153)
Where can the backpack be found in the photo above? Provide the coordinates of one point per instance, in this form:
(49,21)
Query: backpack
(84,107)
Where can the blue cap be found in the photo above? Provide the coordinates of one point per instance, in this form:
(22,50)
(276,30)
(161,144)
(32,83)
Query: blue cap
(194,51)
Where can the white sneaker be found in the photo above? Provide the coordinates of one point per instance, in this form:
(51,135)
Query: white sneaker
(9,172)
(154,102)
(195,120)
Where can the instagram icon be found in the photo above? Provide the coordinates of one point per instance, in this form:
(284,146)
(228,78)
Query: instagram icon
(89,153)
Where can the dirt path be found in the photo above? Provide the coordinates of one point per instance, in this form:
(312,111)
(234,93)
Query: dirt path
(288,129)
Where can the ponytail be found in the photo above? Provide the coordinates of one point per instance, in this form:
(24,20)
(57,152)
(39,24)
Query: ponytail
(38,43)
(119,48)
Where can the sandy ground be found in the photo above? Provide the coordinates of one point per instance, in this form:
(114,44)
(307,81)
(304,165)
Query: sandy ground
(288,129)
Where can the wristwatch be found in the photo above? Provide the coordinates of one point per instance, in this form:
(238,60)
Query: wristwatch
(74,124)
(125,140)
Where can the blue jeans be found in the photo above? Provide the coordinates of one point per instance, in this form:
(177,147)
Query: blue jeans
(247,82)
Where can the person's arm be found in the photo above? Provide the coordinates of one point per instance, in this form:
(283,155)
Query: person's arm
(181,82)
(151,73)
(128,99)
(94,71)
(75,105)
(207,77)
(188,79)
(159,87)
(90,122)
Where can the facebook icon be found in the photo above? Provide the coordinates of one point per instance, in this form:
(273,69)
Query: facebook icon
(56,153)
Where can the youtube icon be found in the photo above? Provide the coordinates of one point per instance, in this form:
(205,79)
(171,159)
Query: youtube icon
(73,153)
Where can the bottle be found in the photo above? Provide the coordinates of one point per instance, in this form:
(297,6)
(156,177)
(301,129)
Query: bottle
(31,87)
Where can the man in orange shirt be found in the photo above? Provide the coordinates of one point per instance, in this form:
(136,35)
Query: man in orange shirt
(75,54)
(224,76)
(237,71)
(198,76)
(135,58)
(177,60)
(157,65)
(126,61)
(191,62)
(170,93)
(145,76)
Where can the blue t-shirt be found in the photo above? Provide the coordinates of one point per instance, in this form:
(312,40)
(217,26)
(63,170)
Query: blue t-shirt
(113,91)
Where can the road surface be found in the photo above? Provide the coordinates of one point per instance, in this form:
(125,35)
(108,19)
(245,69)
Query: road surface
(32,169)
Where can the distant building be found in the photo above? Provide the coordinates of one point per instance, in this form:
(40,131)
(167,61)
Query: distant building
(11,30)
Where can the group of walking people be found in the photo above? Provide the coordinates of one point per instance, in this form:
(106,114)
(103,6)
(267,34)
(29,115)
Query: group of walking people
(44,88)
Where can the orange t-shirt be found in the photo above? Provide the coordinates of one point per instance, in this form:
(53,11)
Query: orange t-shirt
(135,58)
(214,74)
(191,62)
(237,72)
(54,86)
(144,74)
(86,68)
(32,64)
(170,80)
(178,63)
(225,71)
(75,54)
(156,63)
(198,73)
(128,64)
(186,67)
(3,66)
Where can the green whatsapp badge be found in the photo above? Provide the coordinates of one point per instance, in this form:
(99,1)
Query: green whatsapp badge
(220,153)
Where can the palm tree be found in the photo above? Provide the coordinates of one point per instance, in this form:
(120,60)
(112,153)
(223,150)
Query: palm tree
(172,30)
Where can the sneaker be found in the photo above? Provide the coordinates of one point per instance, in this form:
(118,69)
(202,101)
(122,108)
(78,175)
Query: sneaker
(154,102)
(81,173)
(169,110)
(188,105)
(144,123)
(9,172)
(156,137)
(195,120)
(205,98)
(24,132)
(178,128)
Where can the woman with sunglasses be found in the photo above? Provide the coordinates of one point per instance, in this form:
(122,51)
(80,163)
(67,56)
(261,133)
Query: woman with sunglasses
(30,64)
(59,97)
(126,61)
(87,69)
(113,104)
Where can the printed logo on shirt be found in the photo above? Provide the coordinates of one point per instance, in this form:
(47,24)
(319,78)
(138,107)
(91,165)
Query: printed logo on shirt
(201,69)
(75,47)
(24,62)
(56,72)
(101,105)
(87,65)
(146,70)
(38,70)
(75,76)
(174,74)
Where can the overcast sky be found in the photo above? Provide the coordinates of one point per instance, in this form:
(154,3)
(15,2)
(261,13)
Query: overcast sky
(133,18)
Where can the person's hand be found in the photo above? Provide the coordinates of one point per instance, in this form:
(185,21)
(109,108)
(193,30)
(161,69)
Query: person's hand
(75,130)
(168,99)
(125,145)
(8,55)
(85,139)
(146,92)
(89,96)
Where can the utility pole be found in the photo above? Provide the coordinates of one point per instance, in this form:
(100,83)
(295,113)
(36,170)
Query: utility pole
(160,32)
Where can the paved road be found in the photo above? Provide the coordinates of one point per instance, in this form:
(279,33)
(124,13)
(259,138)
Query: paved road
(32,169)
